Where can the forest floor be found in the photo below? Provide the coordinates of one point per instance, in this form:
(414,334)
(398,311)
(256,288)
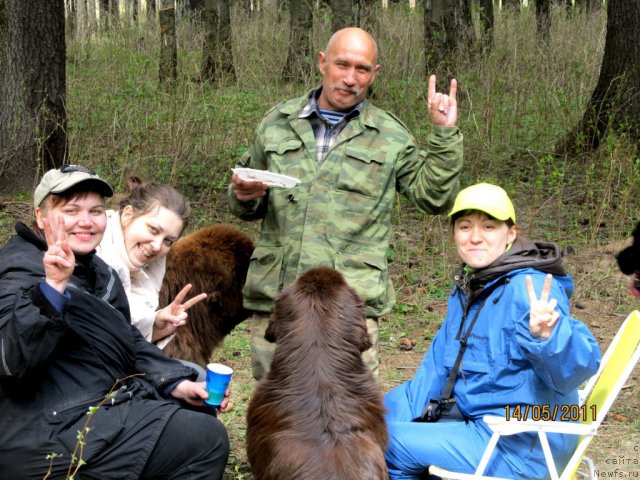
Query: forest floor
(600,300)
(615,450)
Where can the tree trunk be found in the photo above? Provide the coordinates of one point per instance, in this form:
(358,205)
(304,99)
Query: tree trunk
(168,71)
(246,6)
(543,21)
(463,35)
(83,21)
(151,11)
(486,19)
(134,9)
(299,59)
(342,14)
(114,12)
(439,37)
(71,14)
(590,6)
(91,16)
(208,68)
(217,53)
(224,38)
(32,91)
(105,21)
(196,8)
(514,5)
(365,15)
(615,103)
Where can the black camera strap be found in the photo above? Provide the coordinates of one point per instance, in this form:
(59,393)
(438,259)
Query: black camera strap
(448,390)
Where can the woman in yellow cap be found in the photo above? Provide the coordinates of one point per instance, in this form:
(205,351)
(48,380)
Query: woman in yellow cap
(501,349)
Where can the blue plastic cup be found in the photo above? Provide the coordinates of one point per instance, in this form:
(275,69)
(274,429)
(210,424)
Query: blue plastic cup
(218,378)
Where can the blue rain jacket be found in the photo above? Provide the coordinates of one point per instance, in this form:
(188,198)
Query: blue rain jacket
(504,366)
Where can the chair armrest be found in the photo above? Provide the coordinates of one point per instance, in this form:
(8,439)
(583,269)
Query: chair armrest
(511,427)
(441,472)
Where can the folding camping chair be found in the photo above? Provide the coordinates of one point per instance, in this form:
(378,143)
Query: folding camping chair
(598,395)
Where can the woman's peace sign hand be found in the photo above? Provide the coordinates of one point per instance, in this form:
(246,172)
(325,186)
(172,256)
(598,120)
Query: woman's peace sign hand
(59,260)
(174,315)
(543,315)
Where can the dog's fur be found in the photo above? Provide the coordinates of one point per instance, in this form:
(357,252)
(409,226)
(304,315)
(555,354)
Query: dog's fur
(214,260)
(318,413)
(629,261)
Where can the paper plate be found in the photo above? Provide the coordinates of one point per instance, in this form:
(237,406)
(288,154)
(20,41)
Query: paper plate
(267,177)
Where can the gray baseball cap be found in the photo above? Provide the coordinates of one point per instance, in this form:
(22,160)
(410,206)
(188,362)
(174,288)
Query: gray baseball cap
(62,179)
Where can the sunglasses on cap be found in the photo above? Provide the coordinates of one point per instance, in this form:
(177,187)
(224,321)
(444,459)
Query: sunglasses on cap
(68,168)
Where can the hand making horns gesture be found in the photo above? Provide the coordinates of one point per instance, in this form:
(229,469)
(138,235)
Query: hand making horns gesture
(443,109)
(59,261)
(543,315)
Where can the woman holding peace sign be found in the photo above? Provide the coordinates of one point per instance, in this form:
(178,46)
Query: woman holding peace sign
(67,344)
(507,345)
(150,218)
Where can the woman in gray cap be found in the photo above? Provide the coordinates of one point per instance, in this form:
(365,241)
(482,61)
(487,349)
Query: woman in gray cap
(67,345)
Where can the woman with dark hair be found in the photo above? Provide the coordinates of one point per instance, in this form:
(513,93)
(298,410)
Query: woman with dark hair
(501,350)
(80,388)
(139,235)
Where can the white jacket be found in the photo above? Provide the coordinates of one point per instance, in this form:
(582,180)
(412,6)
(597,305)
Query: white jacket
(141,284)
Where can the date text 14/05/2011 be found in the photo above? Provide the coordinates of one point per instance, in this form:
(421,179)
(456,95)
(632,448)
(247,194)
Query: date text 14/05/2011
(563,413)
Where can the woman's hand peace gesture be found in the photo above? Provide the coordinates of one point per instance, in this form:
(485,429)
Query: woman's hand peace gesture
(59,260)
(174,315)
(543,315)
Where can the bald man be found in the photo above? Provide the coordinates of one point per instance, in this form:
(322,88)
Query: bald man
(351,158)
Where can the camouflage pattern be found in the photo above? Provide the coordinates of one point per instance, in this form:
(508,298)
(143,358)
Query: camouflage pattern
(340,215)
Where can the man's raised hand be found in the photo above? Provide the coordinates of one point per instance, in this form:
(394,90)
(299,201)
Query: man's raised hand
(443,109)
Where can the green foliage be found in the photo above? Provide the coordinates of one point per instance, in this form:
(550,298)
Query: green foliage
(76,462)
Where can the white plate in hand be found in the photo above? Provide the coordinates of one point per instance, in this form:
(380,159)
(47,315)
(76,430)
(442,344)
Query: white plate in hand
(266,177)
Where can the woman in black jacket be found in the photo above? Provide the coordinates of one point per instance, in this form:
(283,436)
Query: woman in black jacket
(67,344)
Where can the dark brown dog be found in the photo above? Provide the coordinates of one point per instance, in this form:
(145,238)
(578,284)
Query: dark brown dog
(629,262)
(214,260)
(318,414)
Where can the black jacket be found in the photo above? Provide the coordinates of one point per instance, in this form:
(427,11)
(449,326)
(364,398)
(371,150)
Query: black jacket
(54,366)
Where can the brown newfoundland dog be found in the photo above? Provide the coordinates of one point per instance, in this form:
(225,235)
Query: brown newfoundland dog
(318,414)
(214,260)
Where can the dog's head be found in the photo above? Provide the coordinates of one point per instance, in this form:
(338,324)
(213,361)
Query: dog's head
(629,261)
(322,293)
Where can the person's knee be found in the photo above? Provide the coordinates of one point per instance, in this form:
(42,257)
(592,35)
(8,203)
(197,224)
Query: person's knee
(213,435)
(211,449)
(192,445)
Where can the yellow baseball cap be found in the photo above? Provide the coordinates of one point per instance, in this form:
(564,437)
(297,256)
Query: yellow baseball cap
(62,179)
(486,198)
